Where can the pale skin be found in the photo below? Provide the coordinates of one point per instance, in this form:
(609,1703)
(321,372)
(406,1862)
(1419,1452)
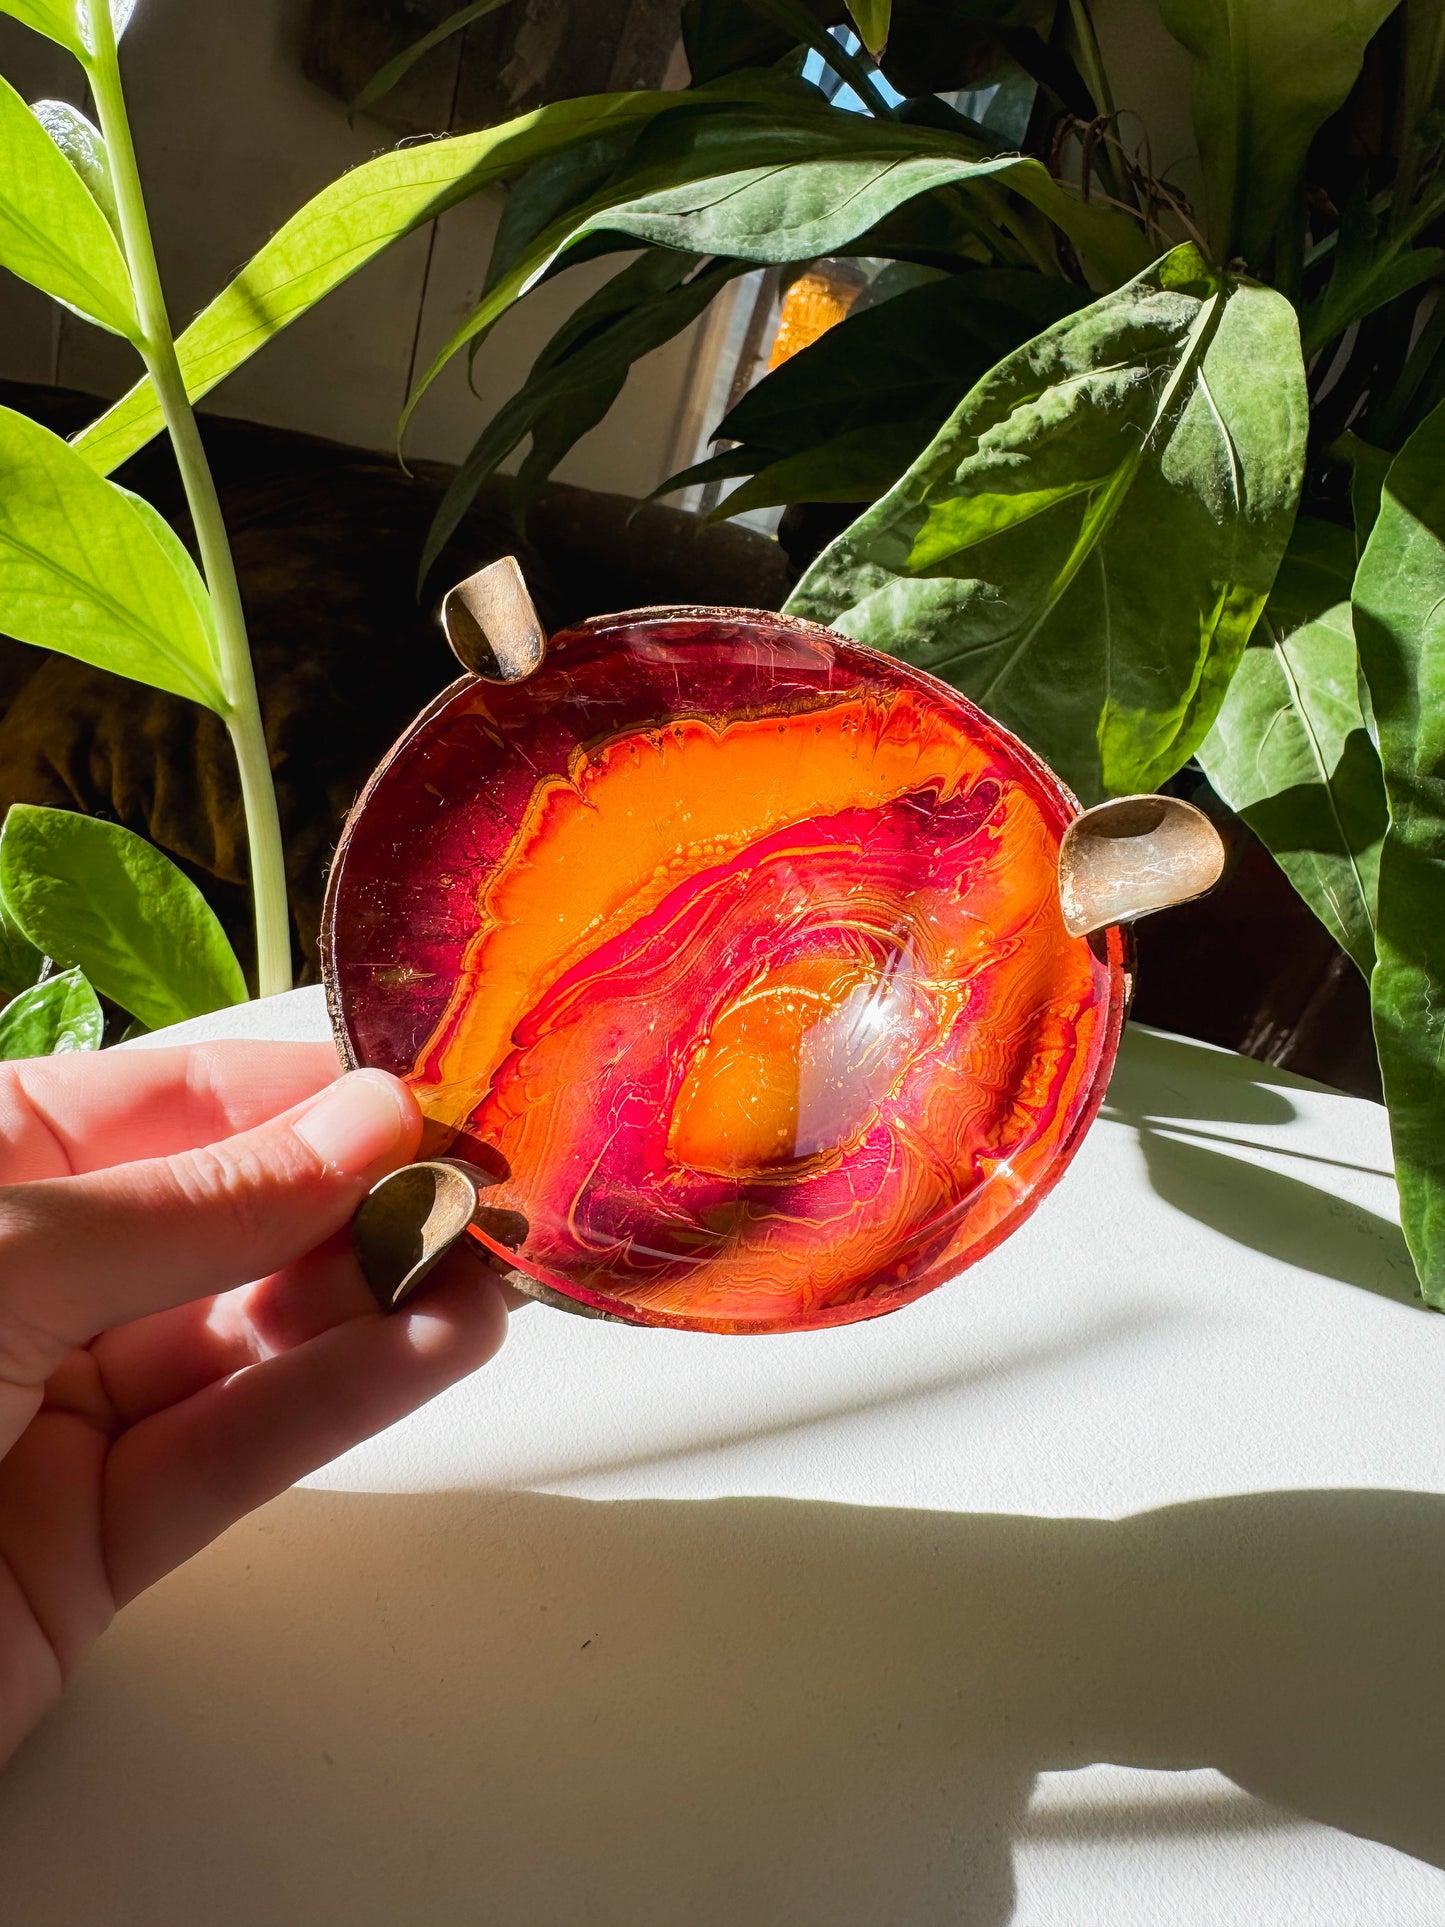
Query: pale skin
(150,1394)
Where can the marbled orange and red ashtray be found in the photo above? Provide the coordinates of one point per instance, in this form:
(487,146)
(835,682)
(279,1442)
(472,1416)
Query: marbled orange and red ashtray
(733,952)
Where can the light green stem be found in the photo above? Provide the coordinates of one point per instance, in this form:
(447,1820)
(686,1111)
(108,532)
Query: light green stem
(238,679)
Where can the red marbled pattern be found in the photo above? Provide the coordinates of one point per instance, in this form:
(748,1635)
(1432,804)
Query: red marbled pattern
(735,950)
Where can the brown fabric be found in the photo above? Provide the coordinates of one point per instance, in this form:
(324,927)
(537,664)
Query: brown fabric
(326,541)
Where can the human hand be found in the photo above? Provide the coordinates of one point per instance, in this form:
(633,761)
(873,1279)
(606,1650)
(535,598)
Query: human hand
(150,1395)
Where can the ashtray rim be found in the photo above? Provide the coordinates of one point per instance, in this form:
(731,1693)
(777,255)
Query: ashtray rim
(1116,943)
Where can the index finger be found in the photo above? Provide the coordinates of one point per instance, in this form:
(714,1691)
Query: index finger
(86,1112)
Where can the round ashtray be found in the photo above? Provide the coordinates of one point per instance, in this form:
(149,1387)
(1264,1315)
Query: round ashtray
(731,953)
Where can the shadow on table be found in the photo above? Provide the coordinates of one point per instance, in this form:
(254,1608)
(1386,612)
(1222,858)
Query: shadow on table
(1196,1112)
(540,1712)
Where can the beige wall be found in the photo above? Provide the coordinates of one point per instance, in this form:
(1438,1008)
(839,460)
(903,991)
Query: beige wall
(231,140)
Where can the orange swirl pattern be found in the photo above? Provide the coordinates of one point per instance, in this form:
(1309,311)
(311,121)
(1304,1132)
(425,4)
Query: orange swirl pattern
(734,951)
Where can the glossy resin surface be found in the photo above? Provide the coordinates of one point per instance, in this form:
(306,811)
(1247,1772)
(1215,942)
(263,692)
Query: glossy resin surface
(734,951)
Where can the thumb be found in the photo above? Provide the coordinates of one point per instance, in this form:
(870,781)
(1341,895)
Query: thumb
(79,1255)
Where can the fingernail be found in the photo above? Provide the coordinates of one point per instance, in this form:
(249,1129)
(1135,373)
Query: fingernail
(356,1123)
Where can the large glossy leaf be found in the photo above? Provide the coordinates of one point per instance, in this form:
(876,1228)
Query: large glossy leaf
(96,895)
(62,1014)
(87,570)
(1400,626)
(342,228)
(1290,750)
(52,231)
(579,375)
(844,418)
(1268,74)
(802,178)
(1086,545)
(812,186)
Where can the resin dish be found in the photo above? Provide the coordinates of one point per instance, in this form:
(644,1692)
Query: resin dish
(733,952)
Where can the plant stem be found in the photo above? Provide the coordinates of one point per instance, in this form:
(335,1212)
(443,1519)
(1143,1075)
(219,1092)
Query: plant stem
(242,716)
(1096,79)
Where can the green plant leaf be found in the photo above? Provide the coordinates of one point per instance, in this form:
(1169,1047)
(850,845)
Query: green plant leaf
(579,375)
(1399,604)
(181,560)
(385,78)
(857,466)
(68,21)
(582,399)
(1371,269)
(1368,468)
(1421,71)
(62,1014)
(872,18)
(717,468)
(1417,388)
(1268,74)
(87,570)
(338,231)
(351,221)
(1085,546)
(794,196)
(83,145)
(58,20)
(52,231)
(816,183)
(876,388)
(561,180)
(1315,573)
(1290,750)
(20,962)
(99,896)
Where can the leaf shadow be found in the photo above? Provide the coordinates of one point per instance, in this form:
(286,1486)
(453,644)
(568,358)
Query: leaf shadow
(1283,1217)
(1170,1091)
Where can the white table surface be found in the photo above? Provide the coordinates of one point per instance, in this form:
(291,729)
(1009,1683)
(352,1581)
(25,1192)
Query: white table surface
(1103,1587)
